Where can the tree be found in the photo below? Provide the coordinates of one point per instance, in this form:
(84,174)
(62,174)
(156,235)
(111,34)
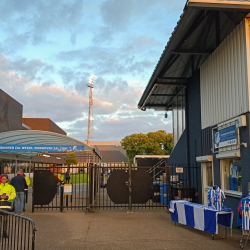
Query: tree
(153,143)
(71,159)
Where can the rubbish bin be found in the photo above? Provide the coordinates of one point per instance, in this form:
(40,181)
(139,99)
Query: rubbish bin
(163,193)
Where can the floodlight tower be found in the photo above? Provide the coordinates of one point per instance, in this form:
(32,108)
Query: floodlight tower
(90,137)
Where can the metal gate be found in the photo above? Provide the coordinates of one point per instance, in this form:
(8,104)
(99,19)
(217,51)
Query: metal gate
(124,186)
(52,190)
(129,187)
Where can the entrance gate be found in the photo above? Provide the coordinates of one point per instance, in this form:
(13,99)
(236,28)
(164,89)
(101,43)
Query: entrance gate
(124,186)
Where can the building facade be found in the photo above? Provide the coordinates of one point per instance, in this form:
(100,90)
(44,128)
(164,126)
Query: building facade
(11,112)
(203,80)
(43,124)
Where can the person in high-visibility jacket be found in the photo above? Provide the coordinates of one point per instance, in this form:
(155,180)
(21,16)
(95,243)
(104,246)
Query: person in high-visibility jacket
(27,179)
(60,177)
(7,193)
(7,196)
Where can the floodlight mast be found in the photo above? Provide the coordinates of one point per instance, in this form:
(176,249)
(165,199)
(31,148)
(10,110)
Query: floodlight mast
(90,137)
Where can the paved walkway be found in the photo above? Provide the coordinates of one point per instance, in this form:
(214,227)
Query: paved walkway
(115,229)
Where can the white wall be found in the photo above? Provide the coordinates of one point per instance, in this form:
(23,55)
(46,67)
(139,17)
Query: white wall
(225,79)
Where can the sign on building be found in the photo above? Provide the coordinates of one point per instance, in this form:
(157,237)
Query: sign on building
(225,137)
(41,148)
(179,170)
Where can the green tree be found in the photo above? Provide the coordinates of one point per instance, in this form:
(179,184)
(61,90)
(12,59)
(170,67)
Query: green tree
(71,159)
(153,143)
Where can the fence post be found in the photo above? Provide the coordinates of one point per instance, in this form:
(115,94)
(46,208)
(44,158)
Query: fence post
(93,183)
(129,187)
(61,198)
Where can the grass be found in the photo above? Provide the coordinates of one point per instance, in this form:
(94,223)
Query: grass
(78,178)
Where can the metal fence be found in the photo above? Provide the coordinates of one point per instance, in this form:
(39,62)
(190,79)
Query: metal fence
(182,182)
(114,186)
(16,232)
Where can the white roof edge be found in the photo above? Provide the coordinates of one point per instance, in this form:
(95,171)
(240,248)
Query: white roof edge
(219,4)
(152,156)
(46,132)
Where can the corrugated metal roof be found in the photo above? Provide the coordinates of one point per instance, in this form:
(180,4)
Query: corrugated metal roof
(37,137)
(194,31)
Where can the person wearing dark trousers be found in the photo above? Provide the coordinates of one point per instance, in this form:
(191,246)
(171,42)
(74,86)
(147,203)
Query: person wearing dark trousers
(19,183)
(7,195)
(67,176)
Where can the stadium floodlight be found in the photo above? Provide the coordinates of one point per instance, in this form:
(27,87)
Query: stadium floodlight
(92,80)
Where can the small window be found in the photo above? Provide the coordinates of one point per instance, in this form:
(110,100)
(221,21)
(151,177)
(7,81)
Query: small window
(209,175)
(231,174)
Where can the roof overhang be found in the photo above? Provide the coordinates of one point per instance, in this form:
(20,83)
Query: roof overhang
(203,25)
(23,138)
(217,4)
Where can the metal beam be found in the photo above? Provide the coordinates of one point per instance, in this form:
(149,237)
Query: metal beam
(162,95)
(191,52)
(155,106)
(164,84)
(217,28)
(173,78)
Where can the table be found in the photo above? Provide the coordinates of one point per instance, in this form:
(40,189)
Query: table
(199,216)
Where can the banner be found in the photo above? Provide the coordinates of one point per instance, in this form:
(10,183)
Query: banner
(225,137)
(41,148)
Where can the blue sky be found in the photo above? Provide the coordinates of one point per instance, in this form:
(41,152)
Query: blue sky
(49,49)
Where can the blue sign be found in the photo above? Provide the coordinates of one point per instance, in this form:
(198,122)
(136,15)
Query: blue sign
(225,137)
(41,148)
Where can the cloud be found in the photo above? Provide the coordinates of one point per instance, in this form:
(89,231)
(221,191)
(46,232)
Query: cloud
(108,60)
(117,128)
(36,19)
(51,49)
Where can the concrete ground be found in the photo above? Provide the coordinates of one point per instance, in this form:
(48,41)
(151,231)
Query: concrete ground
(116,229)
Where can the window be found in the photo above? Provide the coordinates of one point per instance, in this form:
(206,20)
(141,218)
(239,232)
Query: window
(231,174)
(178,115)
(209,174)
(207,179)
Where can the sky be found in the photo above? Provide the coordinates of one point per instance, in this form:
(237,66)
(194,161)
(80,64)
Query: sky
(48,50)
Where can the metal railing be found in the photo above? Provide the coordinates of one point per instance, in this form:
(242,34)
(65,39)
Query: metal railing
(16,232)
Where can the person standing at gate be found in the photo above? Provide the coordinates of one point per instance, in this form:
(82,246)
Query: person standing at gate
(19,183)
(7,195)
(67,175)
(27,179)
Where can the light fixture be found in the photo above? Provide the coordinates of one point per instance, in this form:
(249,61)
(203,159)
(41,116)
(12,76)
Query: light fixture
(92,80)
(46,155)
(58,158)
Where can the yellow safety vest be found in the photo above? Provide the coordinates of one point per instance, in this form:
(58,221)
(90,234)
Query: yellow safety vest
(27,180)
(6,188)
(60,177)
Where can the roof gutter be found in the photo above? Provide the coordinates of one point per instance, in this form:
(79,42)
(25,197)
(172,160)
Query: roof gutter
(150,93)
(219,4)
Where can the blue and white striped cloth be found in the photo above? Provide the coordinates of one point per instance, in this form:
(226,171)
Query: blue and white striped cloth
(215,198)
(199,216)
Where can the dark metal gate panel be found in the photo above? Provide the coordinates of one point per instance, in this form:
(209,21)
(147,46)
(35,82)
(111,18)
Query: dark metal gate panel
(117,187)
(44,187)
(141,186)
(48,194)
